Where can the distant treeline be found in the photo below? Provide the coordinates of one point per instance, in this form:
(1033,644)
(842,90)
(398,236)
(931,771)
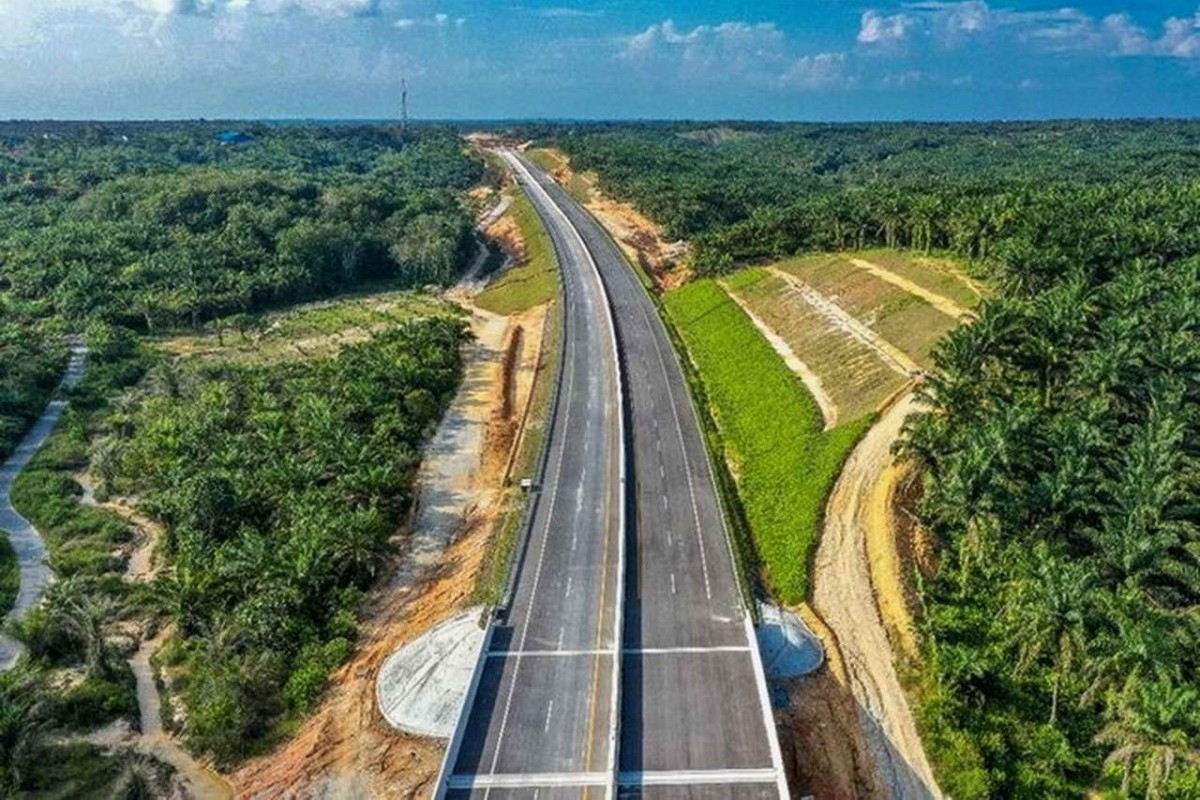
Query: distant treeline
(754,192)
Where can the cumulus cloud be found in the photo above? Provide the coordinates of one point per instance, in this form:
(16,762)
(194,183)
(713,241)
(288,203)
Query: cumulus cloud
(1066,29)
(879,28)
(820,71)
(753,53)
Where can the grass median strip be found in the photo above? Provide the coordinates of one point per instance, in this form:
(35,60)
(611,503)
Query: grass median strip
(771,430)
(532,281)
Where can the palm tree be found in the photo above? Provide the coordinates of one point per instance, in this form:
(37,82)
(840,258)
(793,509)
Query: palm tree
(1157,725)
(1050,616)
(84,614)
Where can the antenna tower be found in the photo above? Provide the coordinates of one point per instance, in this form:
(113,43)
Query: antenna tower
(404,104)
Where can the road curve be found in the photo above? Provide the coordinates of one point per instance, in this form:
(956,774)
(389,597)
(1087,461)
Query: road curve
(695,717)
(25,540)
(542,715)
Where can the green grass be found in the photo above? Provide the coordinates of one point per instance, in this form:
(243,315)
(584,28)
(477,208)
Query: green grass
(532,282)
(81,539)
(10,576)
(783,463)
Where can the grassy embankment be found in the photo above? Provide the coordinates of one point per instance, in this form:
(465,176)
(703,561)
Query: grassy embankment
(771,431)
(770,428)
(534,279)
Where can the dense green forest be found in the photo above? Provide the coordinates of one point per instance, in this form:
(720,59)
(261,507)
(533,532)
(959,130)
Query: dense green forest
(280,487)
(755,192)
(280,482)
(153,228)
(1061,455)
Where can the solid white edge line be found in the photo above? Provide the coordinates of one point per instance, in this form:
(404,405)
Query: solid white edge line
(691,777)
(760,674)
(764,698)
(619,622)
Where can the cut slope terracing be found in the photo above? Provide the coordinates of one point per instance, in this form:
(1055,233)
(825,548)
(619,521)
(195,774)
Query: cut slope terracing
(855,331)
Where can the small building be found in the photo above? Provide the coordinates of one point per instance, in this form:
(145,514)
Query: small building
(233,137)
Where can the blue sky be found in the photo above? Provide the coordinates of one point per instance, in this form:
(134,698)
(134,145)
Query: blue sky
(785,59)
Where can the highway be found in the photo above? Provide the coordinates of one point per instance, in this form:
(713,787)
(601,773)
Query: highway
(545,702)
(694,719)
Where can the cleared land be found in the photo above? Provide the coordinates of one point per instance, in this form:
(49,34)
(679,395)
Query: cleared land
(855,328)
(855,377)
(900,318)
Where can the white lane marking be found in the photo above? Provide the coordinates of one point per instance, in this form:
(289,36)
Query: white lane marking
(546,653)
(619,614)
(696,776)
(670,651)
(562,633)
(537,574)
(670,541)
(687,463)
(568,586)
(672,583)
(549,714)
(529,780)
(662,471)
(629,651)
(519,780)
(665,504)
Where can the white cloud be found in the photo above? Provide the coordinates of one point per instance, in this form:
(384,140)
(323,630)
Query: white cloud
(730,52)
(821,71)
(879,28)
(1181,37)
(1065,29)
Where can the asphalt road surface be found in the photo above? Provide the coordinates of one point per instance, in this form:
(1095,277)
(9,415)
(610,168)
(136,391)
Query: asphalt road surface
(694,719)
(545,701)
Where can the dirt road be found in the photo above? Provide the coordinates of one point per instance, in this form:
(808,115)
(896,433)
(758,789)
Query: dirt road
(844,597)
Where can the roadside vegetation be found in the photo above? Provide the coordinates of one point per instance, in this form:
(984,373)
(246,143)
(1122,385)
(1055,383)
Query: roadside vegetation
(276,448)
(1058,456)
(533,279)
(10,576)
(771,430)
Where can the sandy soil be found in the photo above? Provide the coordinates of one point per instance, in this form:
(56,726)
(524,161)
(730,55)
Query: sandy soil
(936,300)
(844,597)
(840,319)
(147,532)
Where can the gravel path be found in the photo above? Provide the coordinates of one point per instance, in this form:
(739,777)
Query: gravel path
(25,539)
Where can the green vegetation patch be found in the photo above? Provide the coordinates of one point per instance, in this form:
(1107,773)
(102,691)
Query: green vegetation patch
(533,281)
(10,576)
(280,487)
(771,427)
(942,276)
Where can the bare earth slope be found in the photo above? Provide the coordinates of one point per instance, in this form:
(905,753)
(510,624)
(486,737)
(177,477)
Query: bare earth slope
(844,597)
